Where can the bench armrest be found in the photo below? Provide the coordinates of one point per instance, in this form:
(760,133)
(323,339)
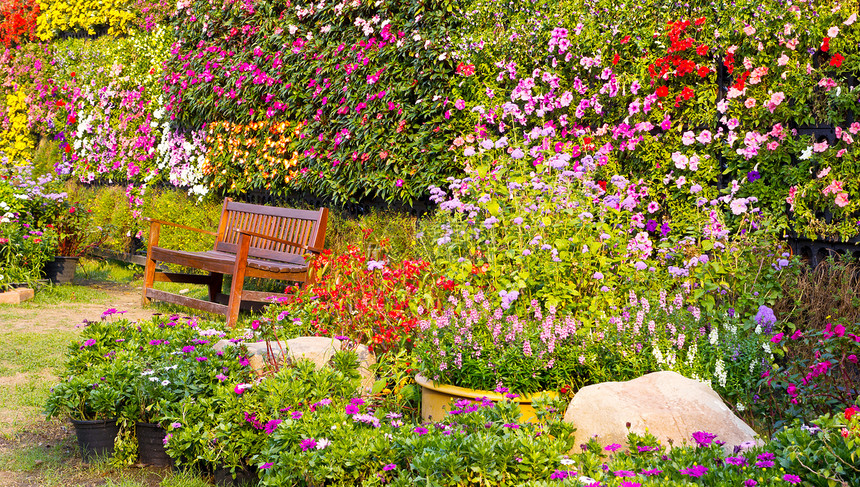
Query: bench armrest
(280,240)
(184,227)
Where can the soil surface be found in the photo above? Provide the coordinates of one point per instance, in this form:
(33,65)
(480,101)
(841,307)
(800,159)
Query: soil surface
(121,297)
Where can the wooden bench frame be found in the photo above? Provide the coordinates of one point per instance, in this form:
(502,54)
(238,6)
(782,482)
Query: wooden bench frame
(251,241)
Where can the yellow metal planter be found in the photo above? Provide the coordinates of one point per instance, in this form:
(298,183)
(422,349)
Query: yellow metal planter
(436,399)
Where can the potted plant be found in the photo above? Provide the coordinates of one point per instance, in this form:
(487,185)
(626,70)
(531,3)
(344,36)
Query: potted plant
(93,401)
(23,247)
(72,233)
(159,389)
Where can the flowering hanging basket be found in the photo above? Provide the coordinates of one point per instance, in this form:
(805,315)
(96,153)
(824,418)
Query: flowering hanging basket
(437,399)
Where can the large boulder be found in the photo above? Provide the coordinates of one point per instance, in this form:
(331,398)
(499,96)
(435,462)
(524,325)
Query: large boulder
(665,404)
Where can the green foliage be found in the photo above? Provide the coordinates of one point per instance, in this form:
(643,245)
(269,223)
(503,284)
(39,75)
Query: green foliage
(349,443)
(826,450)
(101,392)
(387,234)
(228,427)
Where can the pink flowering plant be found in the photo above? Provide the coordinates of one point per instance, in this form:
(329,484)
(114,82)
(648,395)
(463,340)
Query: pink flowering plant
(370,82)
(696,101)
(819,372)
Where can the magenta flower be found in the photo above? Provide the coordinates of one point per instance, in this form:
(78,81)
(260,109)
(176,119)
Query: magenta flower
(389,467)
(272,425)
(296,415)
(613,447)
(736,461)
(351,409)
(421,430)
(695,471)
(791,479)
(266,466)
(703,438)
(308,443)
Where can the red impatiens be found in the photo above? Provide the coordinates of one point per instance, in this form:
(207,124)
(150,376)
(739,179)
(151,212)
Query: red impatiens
(369,301)
(836,60)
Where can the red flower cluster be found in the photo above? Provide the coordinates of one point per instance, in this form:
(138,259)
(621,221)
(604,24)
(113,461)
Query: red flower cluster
(681,48)
(18,21)
(465,69)
(368,301)
(836,60)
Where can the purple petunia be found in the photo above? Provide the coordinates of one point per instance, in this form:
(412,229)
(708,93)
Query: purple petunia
(651,225)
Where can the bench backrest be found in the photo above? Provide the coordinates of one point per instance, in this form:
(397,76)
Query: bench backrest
(304,227)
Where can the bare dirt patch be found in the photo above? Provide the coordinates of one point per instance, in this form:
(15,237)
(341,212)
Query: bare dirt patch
(66,316)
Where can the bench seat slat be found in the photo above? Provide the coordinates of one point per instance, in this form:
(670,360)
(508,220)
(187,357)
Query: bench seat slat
(222,262)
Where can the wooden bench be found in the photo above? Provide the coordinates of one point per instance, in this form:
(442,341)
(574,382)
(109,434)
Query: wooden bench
(251,241)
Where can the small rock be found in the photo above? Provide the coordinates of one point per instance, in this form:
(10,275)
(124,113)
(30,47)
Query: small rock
(666,404)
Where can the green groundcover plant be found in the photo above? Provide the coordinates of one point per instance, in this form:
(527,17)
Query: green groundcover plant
(311,425)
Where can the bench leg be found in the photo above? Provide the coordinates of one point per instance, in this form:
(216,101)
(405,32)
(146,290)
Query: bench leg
(215,283)
(237,285)
(148,278)
(149,271)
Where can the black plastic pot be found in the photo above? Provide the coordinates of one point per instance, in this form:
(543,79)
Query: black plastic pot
(61,270)
(150,444)
(244,476)
(96,438)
